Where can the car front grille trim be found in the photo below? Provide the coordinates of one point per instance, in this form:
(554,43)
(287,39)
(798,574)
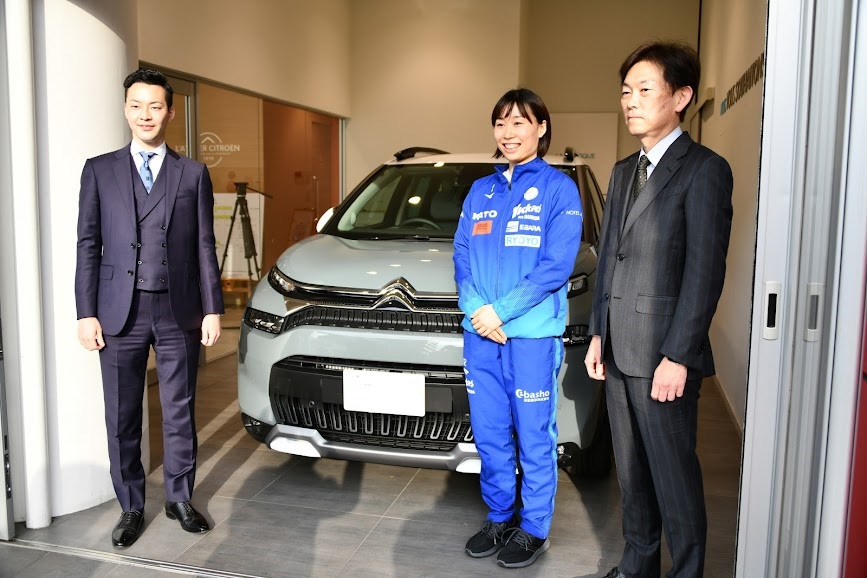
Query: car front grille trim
(378,319)
(333,418)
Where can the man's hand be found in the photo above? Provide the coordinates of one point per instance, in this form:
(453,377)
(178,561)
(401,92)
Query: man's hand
(593,359)
(210,329)
(668,381)
(90,333)
(485,321)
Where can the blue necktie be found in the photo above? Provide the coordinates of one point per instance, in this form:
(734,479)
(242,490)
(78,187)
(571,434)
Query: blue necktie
(147,177)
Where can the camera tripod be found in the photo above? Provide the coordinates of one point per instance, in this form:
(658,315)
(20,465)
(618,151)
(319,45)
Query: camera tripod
(246,230)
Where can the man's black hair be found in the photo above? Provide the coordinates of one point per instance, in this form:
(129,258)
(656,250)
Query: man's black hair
(679,63)
(148,76)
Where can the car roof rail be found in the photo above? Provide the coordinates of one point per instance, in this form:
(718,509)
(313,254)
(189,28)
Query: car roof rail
(412,151)
(569,155)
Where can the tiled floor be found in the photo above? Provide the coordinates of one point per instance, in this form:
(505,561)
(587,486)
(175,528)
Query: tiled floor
(280,515)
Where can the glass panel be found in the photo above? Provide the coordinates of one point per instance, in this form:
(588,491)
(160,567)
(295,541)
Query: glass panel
(229,145)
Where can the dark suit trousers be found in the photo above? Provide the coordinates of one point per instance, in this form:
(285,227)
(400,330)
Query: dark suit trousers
(659,475)
(124,364)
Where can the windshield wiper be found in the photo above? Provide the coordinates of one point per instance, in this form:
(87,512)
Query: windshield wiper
(407,238)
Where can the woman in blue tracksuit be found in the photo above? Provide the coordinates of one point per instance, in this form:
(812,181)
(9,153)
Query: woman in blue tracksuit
(515,247)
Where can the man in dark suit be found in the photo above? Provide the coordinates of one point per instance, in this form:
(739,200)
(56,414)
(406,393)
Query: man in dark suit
(661,267)
(147,276)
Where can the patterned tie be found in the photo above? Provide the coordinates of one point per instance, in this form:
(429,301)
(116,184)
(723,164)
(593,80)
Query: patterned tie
(641,177)
(147,177)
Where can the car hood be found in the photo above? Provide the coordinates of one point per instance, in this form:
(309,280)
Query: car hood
(360,264)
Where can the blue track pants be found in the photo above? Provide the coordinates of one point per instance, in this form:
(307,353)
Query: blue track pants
(512,390)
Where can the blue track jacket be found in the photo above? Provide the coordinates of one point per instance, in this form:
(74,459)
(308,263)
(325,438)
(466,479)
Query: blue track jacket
(515,248)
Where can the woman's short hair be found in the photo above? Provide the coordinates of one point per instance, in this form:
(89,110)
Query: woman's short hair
(530,105)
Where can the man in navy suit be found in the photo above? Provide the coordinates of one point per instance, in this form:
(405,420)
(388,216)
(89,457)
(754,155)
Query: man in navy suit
(147,275)
(662,258)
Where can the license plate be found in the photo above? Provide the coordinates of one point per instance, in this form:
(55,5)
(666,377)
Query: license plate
(383,392)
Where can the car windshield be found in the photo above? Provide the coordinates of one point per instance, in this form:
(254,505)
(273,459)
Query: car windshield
(415,201)
(423,201)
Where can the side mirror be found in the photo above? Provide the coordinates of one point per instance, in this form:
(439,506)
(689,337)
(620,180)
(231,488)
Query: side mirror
(323,220)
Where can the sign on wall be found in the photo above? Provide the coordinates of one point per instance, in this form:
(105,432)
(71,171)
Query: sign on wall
(593,137)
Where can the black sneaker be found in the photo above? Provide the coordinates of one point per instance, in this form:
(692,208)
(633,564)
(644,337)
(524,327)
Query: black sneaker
(521,549)
(489,539)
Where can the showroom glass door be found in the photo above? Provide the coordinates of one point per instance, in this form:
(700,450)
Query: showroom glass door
(808,294)
(179,134)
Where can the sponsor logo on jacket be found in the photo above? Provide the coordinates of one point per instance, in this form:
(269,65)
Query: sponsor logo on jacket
(534,241)
(492,214)
(524,210)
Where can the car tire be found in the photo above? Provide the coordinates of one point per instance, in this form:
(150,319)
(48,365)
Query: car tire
(596,460)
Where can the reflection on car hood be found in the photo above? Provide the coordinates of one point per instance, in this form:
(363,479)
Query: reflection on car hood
(360,264)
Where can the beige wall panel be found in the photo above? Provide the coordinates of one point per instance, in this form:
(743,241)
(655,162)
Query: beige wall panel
(427,73)
(732,38)
(575,50)
(291,50)
(593,136)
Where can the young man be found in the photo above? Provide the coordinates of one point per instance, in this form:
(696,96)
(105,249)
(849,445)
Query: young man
(147,276)
(661,267)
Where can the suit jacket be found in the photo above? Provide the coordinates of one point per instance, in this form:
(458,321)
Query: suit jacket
(108,235)
(661,266)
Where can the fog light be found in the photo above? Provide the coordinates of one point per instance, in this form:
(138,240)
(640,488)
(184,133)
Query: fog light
(577,286)
(576,335)
(262,321)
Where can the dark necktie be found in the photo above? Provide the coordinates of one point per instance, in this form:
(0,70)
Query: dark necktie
(147,177)
(641,177)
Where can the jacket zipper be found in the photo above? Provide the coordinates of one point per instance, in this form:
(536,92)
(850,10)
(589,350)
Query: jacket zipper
(502,235)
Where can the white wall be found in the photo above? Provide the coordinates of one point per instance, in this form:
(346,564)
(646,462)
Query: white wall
(427,73)
(736,136)
(75,112)
(294,51)
(575,50)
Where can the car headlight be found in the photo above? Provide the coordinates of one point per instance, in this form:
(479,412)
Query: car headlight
(267,322)
(280,282)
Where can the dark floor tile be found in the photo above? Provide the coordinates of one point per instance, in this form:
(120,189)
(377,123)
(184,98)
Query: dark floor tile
(238,473)
(14,559)
(339,486)
(51,565)
(442,497)
(410,548)
(265,540)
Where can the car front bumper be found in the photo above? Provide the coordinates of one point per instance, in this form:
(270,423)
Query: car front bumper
(308,442)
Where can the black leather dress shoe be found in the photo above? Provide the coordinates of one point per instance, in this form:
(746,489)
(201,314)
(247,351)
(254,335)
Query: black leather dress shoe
(190,519)
(615,573)
(128,529)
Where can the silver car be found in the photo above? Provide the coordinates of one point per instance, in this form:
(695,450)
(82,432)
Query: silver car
(351,348)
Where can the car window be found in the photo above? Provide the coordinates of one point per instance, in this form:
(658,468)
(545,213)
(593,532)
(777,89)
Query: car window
(409,200)
(424,200)
(591,200)
(596,203)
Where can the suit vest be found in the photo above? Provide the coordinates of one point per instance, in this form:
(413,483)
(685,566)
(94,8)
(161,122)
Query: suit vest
(152,272)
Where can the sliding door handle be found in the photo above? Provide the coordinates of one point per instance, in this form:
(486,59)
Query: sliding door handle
(770,323)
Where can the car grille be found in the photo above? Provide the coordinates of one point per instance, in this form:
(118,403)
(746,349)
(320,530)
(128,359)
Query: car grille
(378,319)
(434,431)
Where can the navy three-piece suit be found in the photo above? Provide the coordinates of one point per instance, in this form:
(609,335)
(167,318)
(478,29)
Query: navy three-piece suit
(147,270)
